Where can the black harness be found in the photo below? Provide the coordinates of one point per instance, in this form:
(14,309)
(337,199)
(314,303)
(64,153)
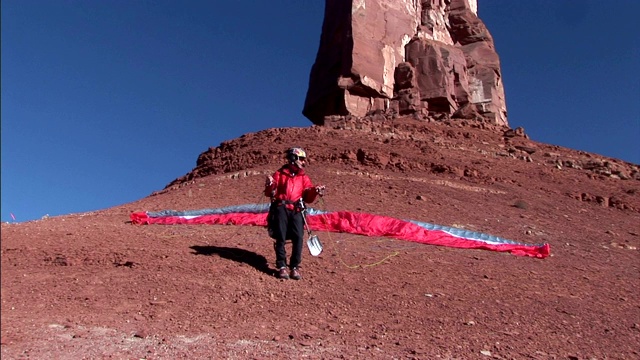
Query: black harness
(298,205)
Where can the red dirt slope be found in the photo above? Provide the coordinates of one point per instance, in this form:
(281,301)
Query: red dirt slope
(93,286)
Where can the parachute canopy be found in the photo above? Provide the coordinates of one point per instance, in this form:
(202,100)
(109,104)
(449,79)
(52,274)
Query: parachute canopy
(349,222)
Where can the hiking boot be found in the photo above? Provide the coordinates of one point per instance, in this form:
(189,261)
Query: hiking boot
(283,274)
(295,274)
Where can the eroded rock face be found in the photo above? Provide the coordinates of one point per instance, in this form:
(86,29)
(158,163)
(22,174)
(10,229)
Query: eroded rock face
(433,59)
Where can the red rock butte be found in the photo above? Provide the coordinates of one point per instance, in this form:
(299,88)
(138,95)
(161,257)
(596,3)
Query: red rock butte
(434,60)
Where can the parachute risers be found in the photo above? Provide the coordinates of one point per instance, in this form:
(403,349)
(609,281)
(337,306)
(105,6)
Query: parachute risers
(349,222)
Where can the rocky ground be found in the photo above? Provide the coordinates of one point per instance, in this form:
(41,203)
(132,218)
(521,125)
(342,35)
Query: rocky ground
(94,286)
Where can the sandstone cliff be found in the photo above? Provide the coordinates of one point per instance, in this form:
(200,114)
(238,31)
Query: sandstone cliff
(434,59)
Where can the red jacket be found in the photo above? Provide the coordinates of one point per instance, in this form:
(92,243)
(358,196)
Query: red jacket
(291,184)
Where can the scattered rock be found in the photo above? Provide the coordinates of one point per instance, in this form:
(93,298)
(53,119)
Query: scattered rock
(521,204)
(141,333)
(527,149)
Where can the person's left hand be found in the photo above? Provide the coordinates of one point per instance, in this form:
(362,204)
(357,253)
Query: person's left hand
(320,190)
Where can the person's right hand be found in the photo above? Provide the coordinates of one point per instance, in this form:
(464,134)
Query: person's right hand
(269,180)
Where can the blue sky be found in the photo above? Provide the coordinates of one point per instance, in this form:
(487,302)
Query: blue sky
(104,102)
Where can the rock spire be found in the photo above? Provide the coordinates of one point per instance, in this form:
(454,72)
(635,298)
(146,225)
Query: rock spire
(434,59)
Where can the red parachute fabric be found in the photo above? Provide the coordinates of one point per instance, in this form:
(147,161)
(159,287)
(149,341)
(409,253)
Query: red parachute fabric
(356,223)
(259,219)
(377,225)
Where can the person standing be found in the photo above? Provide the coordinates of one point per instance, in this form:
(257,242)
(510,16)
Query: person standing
(287,187)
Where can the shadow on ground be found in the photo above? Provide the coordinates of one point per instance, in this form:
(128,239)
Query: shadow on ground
(257,261)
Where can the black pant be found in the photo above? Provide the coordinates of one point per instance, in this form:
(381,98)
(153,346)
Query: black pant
(288,225)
